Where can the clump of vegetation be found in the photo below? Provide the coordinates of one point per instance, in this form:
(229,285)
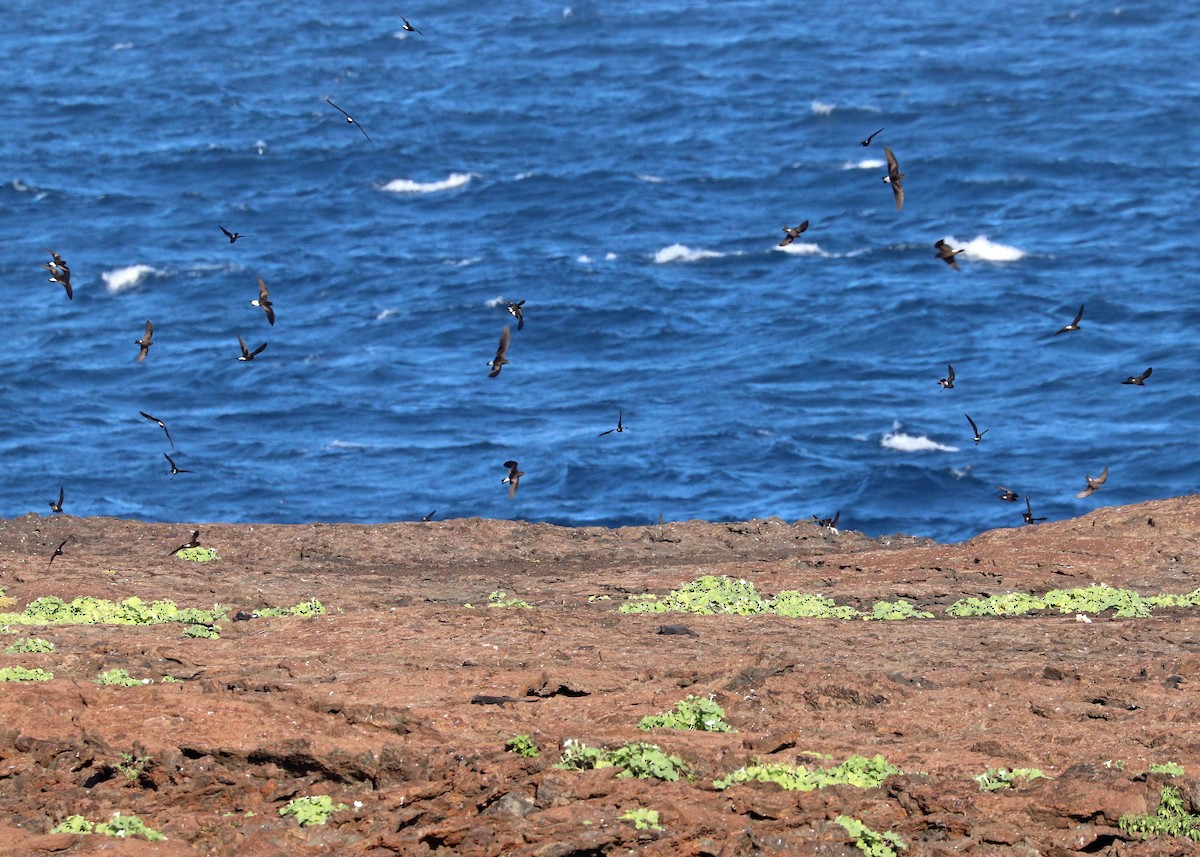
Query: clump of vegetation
(801,605)
(500,599)
(312,607)
(119,825)
(871,842)
(642,818)
(312,810)
(858,771)
(197,554)
(29,645)
(1171,769)
(1171,819)
(995,779)
(203,632)
(119,678)
(899,609)
(131,766)
(86,610)
(522,745)
(695,712)
(639,760)
(24,674)
(1097,598)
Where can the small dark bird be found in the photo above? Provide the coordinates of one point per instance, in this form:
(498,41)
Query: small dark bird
(867,141)
(174,469)
(514,309)
(247,354)
(161,425)
(499,361)
(57,260)
(409,27)
(947,383)
(946,254)
(429,517)
(1028,514)
(513,477)
(60,272)
(1140,380)
(350,118)
(58,551)
(193,542)
(1074,325)
(620,426)
(792,234)
(145,342)
(1007,495)
(828,523)
(57,507)
(1093,484)
(233,236)
(978,434)
(264,302)
(894,178)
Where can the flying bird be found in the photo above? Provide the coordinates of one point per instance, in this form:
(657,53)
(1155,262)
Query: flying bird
(1007,495)
(946,254)
(620,426)
(894,178)
(350,118)
(174,469)
(513,477)
(514,309)
(57,507)
(233,236)
(409,27)
(145,342)
(978,434)
(427,518)
(57,260)
(1028,514)
(947,383)
(792,234)
(499,361)
(828,523)
(264,302)
(58,551)
(193,542)
(161,425)
(1093,485)
(247,354)
(1139,380)
(1074,325)
(867,141)
(60,272)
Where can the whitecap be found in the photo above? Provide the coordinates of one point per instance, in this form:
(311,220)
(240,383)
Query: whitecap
(649,178)
(387,313)
(683,253)
(822,109)
(608,257)
(409,186)
(981,248)
(908,443)
(865,164)
(495,302)
(584,259)
(462,263)
(799,248)
(346,444)
(124,278)
(122,46)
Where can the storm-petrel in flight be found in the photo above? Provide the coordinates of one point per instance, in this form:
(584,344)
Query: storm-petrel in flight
(57,507)
(1139,380)
(232,236)
(894,178)
(247,354)
(58,551)
(427,518)
(1074,325)
(264,302)
(499,361)
(1093,485)
(947,383)
(174,469)
(513,477)
(978,434)
(60,272)
(145,342)
(792,234)
(620,426)
(349,119)
(1010,496)
(867,141)
(514,309)
(1028,514)
(946,254)
(161,425)
(409,27)
(193,542)
(828,523)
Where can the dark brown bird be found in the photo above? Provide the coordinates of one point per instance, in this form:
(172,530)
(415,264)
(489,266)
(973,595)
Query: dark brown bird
(264,302)
(978,434)
(409,27)
(1139,380)
(828,523)
(1074,325)
(247,354)
(499,361)
(1007,495)
(792,234)
(57,507)
(145,342)
(350,118)
(620,426)
(1093,485)
(514,309)
(58,551)
(947,383)
(867,141)
(513,477)
(233,236)
(161,425)
(946,254)
(60,272)
(426,519)
(193,542)
(1028,514)
(174,469)
(894,178)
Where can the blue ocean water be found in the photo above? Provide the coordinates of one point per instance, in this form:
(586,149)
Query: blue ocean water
(626,170)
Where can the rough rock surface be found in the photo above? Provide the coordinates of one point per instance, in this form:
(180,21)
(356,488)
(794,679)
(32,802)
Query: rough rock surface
(371,703)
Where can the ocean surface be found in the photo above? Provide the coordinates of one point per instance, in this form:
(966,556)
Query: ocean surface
(625,169)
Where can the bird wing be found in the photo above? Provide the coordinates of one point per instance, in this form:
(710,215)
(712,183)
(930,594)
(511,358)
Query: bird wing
(1146,374)
(505,336)
(228,234)
(950,373)
(258,351)
(263,294)
(245,350)
(1078,315)
(1101,479)
(974,427)
(898,193)
(149,330)
(893,167)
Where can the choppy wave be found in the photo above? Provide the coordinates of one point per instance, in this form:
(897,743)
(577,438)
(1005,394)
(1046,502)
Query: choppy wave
(683,253)
(903,442)
(980,248)
(820,108)
(799,248)
(864,164)
(409,186)
(124,278)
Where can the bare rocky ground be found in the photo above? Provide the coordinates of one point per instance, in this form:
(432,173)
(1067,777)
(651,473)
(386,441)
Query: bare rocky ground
(371,703)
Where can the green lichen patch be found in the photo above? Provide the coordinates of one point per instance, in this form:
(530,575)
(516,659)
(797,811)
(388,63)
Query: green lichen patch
(501,599)
(858,771)
(1097,598)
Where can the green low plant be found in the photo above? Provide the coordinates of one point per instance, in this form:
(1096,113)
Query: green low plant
(1171,819)
(1171,769)
(856,771)
(802,605)
(198,554)
(86,610)
(1097,598)
(29,645)
(871,842)
(500,599)
(522,745)
(995,779)
(23,674)
(119,678)
(312,810)
(640,759)
(694,712)
(897,610)
(131,766)
(203,632)
(121,826)
(312,607)
(642,818)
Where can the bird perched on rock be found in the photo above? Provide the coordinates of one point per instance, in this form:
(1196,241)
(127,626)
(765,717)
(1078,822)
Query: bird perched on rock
(1093,485)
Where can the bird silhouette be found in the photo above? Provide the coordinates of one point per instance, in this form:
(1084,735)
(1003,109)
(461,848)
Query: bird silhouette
(1028,514)
(894,178)
(409,27)
(1009,496)
(792,233)
(1074,325)
(58,551)
(144,343)
(264,302)
(947,254)
(193,542)
(233,236)
(1093,485)
(514,309)
(512,479)
(867,141)
(247,354)
(350,118)
(174,469)
(499,361)
(620,426)
(161,425)
(57,507)
(947,383)
(1139,380)
(978,434)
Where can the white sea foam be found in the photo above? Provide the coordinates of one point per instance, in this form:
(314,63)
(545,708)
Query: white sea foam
(495,302)
(799,248)
(387,313)
(646,177)
(608,257)
(683,253)
(124,278)
(903,442)
(462,263)
(822,109)
(409,186)
(122,46)
(584,259)
(864,164)
(980,248)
